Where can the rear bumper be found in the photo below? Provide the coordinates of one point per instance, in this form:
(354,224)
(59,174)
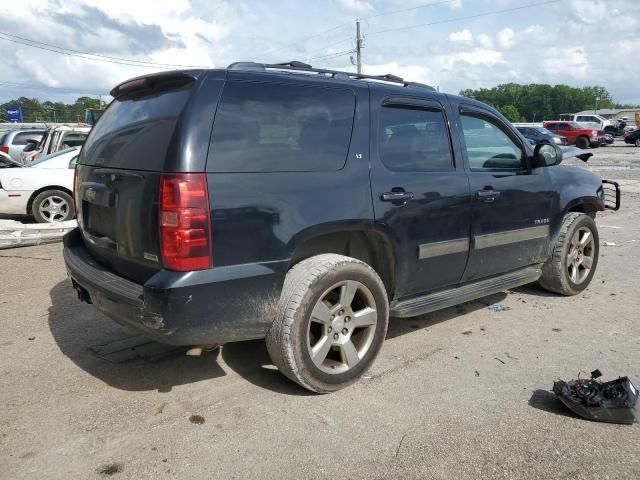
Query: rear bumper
(220,305)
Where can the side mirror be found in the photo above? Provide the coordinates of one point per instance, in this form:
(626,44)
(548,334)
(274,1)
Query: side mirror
(546,155)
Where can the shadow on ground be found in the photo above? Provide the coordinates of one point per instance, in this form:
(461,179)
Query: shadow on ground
(129,361)
(548,402)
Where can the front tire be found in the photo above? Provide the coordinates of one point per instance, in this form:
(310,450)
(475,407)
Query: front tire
(582,142)
(52,206)
(637,142)
(574,257)
(332,319)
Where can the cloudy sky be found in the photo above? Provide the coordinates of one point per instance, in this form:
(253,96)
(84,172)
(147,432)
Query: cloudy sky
(454,44)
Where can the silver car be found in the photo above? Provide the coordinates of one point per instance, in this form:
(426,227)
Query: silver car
(13,142)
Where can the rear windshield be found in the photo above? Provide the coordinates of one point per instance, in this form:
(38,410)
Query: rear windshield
(268,127)
(134,133)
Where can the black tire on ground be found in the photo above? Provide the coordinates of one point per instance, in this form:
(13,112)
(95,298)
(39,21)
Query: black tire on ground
(56,204)
(309,285)
(582,142)
(556,276)
(637,142)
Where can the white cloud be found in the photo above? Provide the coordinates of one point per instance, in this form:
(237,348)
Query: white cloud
(563,63)
(463,36)
(479,57)
(506,38)
(356,6)
(485,40)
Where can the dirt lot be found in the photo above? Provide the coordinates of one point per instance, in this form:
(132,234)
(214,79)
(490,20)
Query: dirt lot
(461,393)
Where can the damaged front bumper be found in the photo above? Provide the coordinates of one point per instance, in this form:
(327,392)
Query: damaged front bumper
(220,305)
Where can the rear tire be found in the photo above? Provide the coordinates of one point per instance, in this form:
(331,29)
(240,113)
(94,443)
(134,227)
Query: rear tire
(582,142)
(637,142)
(332,319)
(53,206)
(574,257)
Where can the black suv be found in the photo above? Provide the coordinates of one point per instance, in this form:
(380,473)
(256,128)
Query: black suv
(307,206)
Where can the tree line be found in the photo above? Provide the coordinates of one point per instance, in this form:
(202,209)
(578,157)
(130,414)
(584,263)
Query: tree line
(538,102)
(36,111)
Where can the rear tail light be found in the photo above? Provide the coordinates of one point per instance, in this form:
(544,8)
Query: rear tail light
(185,225)
(4,149)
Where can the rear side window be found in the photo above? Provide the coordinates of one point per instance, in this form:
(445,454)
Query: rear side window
(21,138)
(263,127)
(414,140)
(135,132)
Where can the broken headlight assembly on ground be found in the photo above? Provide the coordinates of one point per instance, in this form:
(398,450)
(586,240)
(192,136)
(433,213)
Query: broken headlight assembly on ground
(612,402)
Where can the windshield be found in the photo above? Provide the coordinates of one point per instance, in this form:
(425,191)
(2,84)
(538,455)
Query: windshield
(51,156)
(543,130)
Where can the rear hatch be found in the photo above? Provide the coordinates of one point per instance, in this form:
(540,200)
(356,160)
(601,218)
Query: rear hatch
(118,175)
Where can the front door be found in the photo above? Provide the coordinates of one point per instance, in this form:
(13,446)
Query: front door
(420,192)
(511,202)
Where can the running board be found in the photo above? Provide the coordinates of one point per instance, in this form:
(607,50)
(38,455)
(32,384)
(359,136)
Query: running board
(472,291)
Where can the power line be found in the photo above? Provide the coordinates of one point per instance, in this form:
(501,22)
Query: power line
(302,39)
(425,5)
(468,17)
(331,55)
(325,48)
(86,55)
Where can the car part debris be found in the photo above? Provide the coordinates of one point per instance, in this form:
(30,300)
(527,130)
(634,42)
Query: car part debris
(611,402)
(498,307)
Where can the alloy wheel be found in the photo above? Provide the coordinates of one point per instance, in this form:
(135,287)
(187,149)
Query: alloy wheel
(54,209)
(580,256)
(342,327)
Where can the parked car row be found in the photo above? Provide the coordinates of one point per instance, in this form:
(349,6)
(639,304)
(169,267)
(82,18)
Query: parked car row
(14,142)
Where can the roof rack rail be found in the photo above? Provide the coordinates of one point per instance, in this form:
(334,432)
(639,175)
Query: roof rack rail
(295,65)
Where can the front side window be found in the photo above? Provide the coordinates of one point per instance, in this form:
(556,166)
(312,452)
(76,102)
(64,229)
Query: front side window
(264,127)
(488,146)
(414,139)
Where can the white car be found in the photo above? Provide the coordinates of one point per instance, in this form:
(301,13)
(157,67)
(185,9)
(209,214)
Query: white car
(43,189)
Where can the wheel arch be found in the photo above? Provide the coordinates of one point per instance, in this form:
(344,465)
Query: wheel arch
(364,243)
(44,189)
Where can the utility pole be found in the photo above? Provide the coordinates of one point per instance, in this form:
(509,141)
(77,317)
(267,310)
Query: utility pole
(358,48)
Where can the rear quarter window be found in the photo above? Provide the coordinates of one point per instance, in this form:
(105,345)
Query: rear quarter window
(21,138)
(135,132)
(269,127)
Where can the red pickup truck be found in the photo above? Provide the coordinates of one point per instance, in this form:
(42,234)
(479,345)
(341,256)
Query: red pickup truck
(576,134)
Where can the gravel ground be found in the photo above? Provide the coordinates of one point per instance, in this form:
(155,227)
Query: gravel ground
(458,394)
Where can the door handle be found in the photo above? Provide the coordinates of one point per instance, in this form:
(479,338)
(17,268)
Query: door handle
(488,196)
(397,198)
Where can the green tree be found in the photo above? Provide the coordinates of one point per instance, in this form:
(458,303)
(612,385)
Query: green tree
(537,102)
(510,112)
(48,111)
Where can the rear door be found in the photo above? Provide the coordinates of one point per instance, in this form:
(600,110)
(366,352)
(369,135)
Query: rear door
(512,203)
(420,191)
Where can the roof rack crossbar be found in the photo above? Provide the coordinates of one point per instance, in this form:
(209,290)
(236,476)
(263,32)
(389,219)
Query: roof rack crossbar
(295,65)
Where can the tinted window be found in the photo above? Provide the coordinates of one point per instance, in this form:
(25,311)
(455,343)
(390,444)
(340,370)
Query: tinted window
(21,138)
(488,146)
(134,132)
(414,140)
(74,140)
(263,127)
